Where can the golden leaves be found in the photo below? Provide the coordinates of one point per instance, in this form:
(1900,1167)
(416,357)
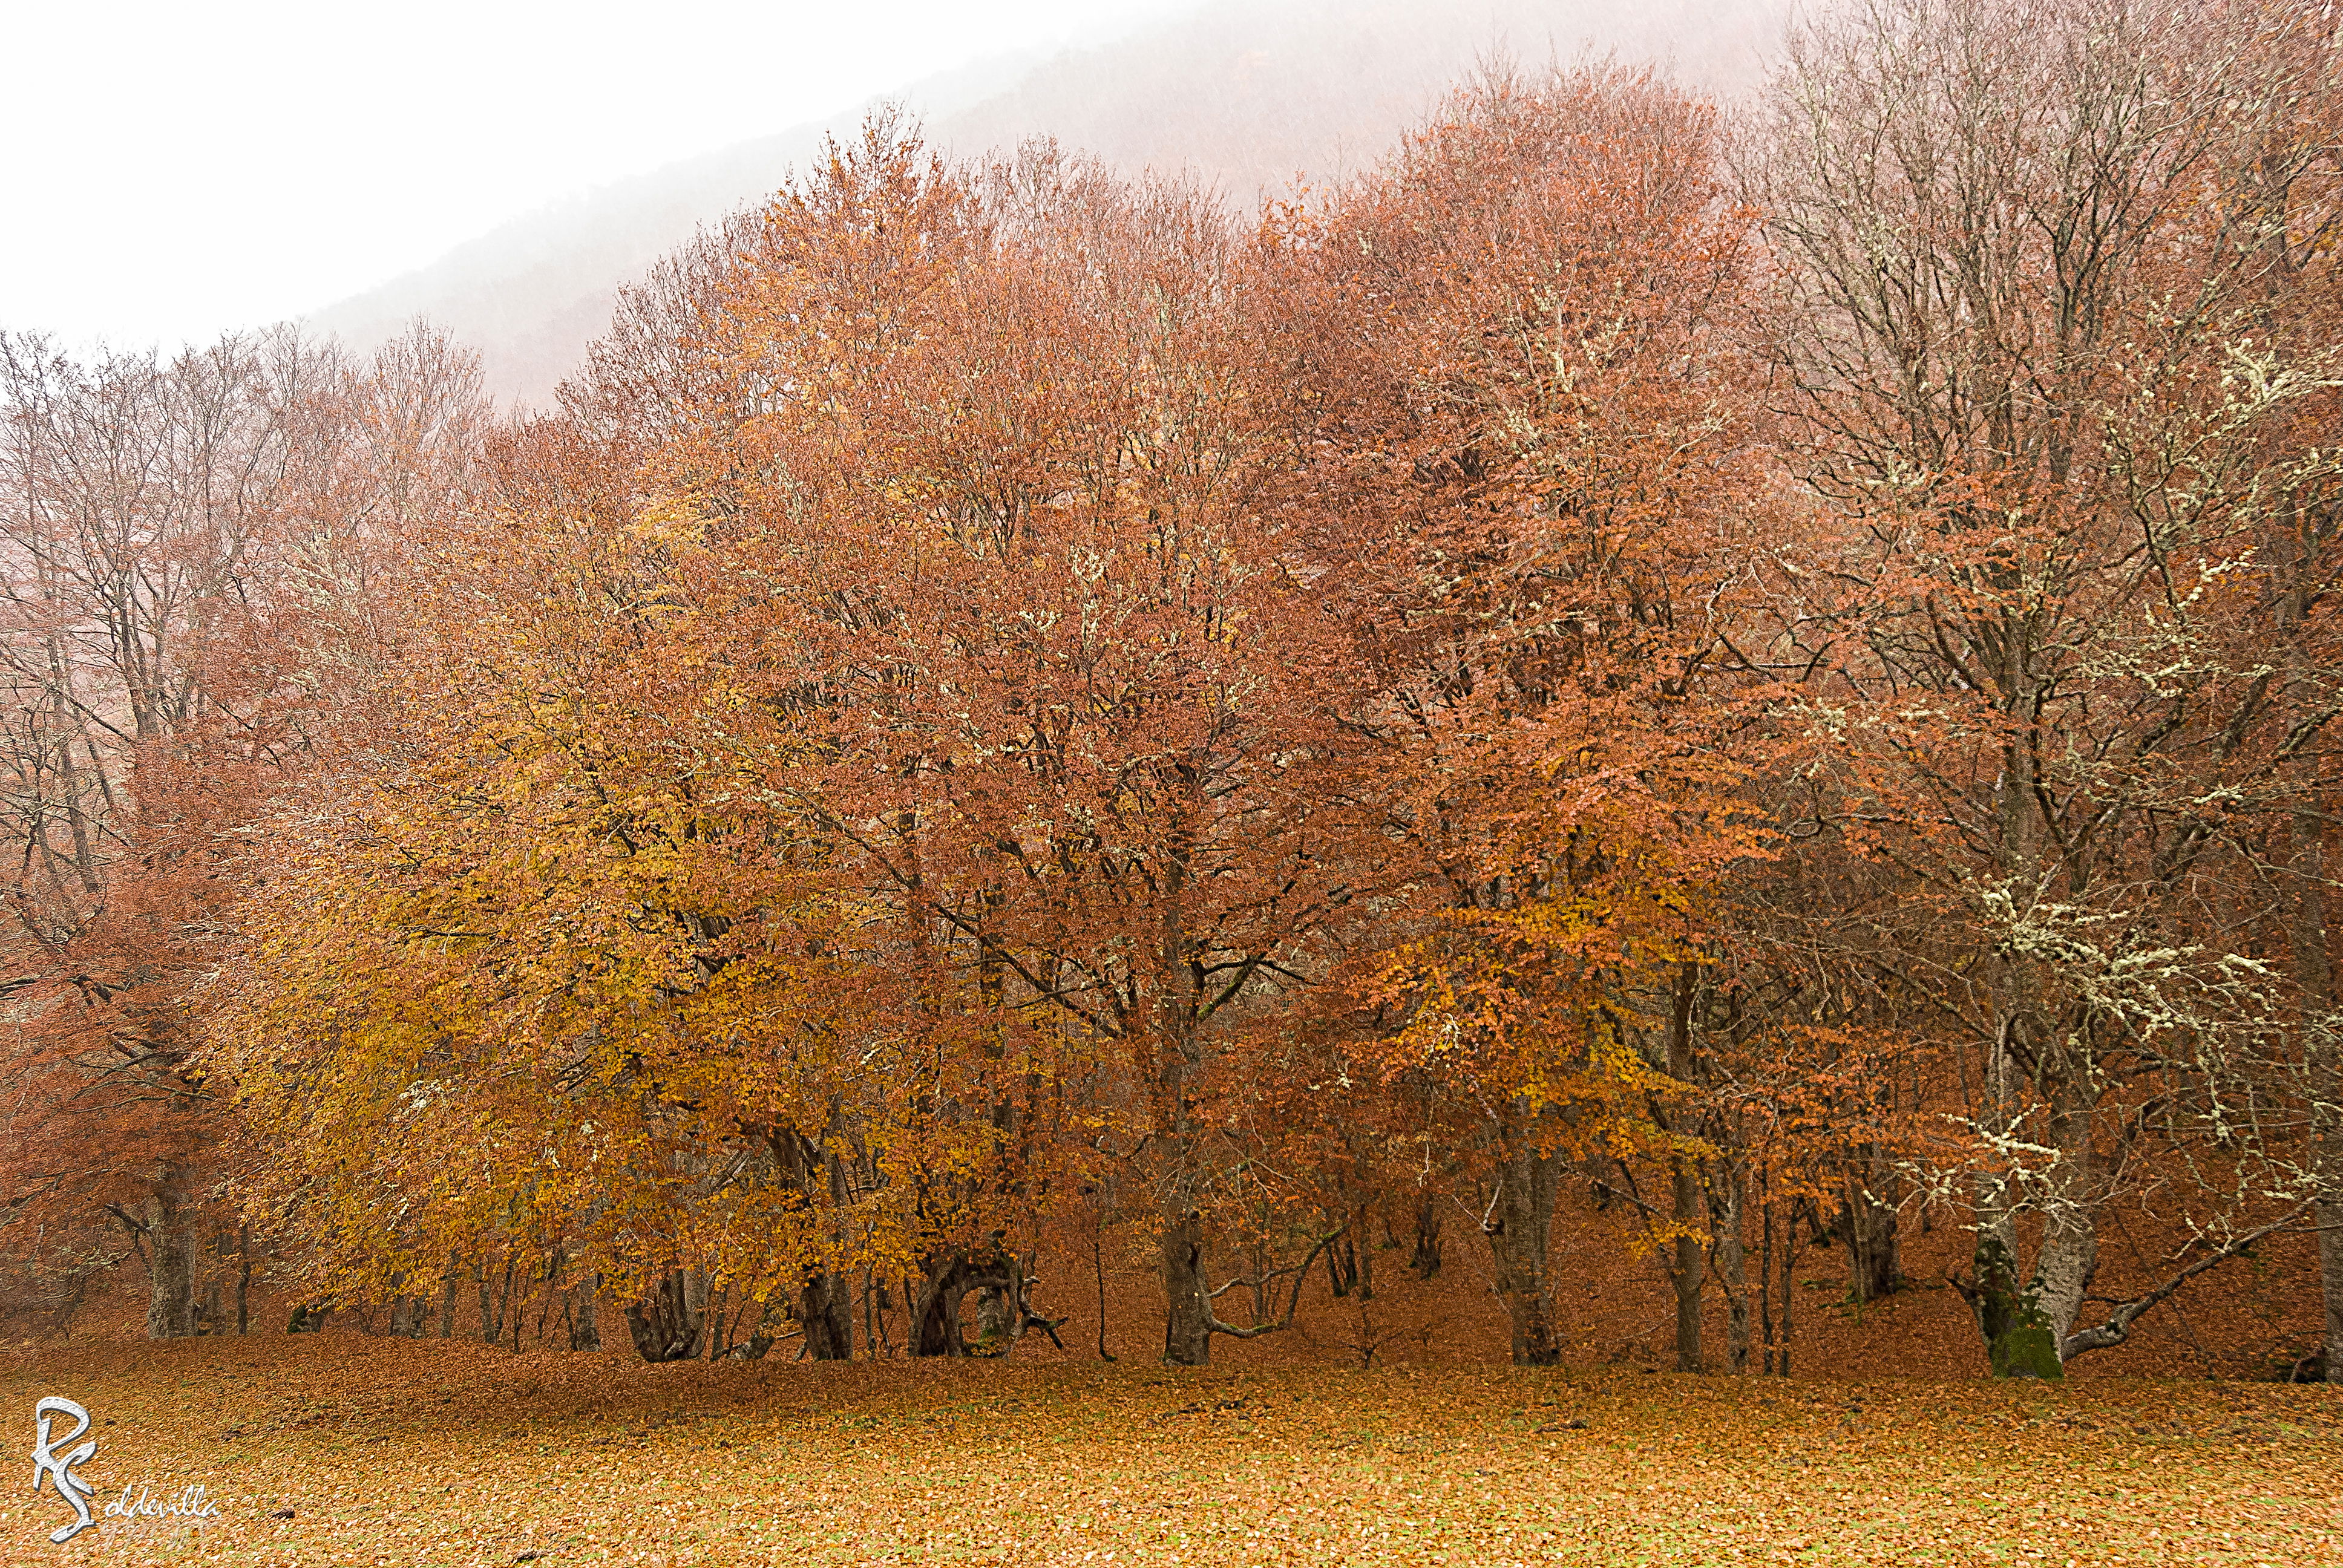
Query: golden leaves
(338,1448)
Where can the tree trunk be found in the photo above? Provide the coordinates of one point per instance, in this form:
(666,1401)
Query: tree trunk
(1425,1258)
(243,1280)
(2019,1338)
(2070,1230)
(407,1316)
(2314,977)
(2017,1335)
(826,1311)
(211,1271)
(1187,1313)
(761,1338)
(494,1305)
(1691,1270)
(1765,1270)
(666,1324)
(1785,1326)
(1732,1262)
(1691,1210)
(2331,1218)
(1341,1268)
(585,1330)
(993,1324)
(1001,1284)
(1868,1223)
(171,1310)
(1520,1228)
(1187,1307)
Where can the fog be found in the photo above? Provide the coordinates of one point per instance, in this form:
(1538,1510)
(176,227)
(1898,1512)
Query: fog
(176,170)
(502,170)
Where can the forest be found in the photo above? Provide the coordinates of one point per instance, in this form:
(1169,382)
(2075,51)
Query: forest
(1774,669)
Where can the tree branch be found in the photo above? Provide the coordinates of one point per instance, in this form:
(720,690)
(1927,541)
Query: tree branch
(2117,1326)
(1301,1276)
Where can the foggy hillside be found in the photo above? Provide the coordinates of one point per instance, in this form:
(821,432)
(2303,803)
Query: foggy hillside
(1248,93)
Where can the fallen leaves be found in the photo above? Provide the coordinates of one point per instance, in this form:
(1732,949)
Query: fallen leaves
(366,1451)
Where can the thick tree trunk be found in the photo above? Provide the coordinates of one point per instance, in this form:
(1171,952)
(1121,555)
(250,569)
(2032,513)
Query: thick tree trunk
(2307,944)
(585,1329)
(1691,1270)
(935,1313)
(1425,1260)
(1786,1324)
(2018,1340)
(243,1279)
(1344,1271)
(825,1303)
(2070,1230)
(826,1312)
(172,1310)
(666,1324)
(1187,1306)
(1765,1340)
(996,1325)
(211,1280)
(2314,976)
(2330,1232)
(488,1303)
(1187,1311)
(1000,1285)
(1520,1228)
(761,1338)
(408,1314)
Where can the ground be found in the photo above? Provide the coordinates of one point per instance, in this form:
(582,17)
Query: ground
(338,1448)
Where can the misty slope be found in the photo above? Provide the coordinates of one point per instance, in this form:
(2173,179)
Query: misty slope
(1247,93)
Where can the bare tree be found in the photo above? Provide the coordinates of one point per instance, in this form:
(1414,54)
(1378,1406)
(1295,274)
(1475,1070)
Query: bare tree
(2050,332)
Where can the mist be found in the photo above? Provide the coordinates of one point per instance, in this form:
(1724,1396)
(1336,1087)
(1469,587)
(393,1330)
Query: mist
(1254,99)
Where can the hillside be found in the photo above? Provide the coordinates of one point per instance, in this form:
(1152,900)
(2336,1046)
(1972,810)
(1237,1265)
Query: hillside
(1247,94)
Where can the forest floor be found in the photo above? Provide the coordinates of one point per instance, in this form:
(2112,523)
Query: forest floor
(336,1448)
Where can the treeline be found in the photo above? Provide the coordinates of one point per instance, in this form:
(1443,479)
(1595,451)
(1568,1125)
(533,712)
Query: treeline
(1781,665)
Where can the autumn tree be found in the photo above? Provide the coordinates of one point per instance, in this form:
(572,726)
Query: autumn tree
(1534,475)
(992,523)
(2050,333)
(186,546)
(572,983)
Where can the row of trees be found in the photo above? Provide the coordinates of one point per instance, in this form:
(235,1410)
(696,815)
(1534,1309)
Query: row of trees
(1784,667)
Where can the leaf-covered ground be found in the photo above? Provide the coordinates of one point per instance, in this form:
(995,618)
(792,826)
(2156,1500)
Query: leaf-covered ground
(388,1451)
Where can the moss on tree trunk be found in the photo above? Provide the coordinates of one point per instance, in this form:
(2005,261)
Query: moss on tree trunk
(2019,1338)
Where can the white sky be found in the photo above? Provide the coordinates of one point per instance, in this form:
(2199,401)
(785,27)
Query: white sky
(173,168)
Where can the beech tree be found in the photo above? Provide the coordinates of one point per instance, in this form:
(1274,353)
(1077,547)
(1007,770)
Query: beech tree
(1537,479)
(185,545)
(574,989)
(1762,676)
(2048,331)
(996,528)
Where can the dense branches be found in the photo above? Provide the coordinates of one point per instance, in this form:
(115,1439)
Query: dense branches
(1764,673)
